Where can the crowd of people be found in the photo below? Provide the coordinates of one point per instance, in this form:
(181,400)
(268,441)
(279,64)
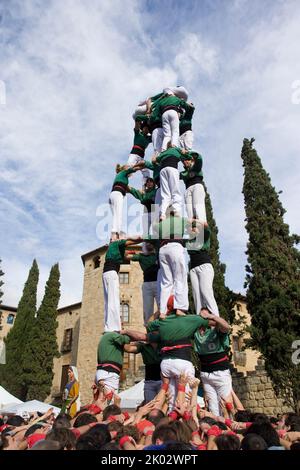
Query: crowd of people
(175,230)
(103,425)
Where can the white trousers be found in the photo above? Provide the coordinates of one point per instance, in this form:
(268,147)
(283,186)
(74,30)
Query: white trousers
(202,287)
(111,288)
(172,369)
(116,200)
(110,379)
(216,385)
(186,140)
(149,290)
(173,276)
(157,139)
(146,222)
(170,123)
(133,159)
(170,190)
(195,202)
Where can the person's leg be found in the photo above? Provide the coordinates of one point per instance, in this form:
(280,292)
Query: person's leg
(155,213)
(223,383)
(165,191)
(206,277)
(177,263)
(198,202)
(133,159)
(210,392)
(166,285)
(174,188)
(148,301)
(188,139)
(112,301)
(157,139)
(116,204)
(188,202)
(179,367)
(174,124)
(196,289)
(166,129)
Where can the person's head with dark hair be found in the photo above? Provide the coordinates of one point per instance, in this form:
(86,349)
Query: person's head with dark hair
(1,422)
(46,445)
(163,434)
(259,418)
(33,429)
(155,415)
(110,446)
(100,433)
(15,421)
(178,445)
(62,421)
(111,410)
(292,422)
(266,431)
(114,428)
(295,446)
(243,416)
(227,442)
(64,436)
(83,419)
(183,432)
(94,439)
(129,430)
(253,442)
(274,421)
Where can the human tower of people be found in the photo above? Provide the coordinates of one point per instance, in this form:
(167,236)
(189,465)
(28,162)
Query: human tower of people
(171,333)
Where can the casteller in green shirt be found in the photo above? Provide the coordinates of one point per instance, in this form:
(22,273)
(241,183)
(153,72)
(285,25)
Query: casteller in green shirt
(111,351)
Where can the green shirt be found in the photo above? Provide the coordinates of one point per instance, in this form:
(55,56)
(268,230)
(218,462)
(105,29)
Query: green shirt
(141,139)
(211,342)
(175,327)
(116,251)
(145,197)
(169,100)
(149,354)
(173,152)
(146,261)
(155,168)
(186,119)
(200,243)
(122,176)
(193,173)
(172,228)
(110,348)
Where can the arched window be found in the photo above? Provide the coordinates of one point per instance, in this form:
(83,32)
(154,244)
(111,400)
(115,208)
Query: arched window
(10,319)
(124,309)
(96,262)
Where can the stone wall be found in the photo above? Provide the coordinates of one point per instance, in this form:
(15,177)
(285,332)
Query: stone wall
(256,392)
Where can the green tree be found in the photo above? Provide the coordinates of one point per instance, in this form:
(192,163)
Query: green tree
(224,296)
(42,345)
(12,373)
(272,278)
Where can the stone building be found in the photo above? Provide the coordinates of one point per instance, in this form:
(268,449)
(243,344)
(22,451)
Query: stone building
(7,318)
(81,325)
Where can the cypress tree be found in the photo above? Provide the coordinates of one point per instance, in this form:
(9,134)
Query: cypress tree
(224,296)
(272,278)
(42,345)
(12,373)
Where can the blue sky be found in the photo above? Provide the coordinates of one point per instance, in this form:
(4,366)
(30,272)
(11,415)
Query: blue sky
(74,72)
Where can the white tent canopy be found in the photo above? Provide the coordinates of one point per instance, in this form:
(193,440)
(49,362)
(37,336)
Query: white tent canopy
(7,399)
(132,397)
(30,407)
